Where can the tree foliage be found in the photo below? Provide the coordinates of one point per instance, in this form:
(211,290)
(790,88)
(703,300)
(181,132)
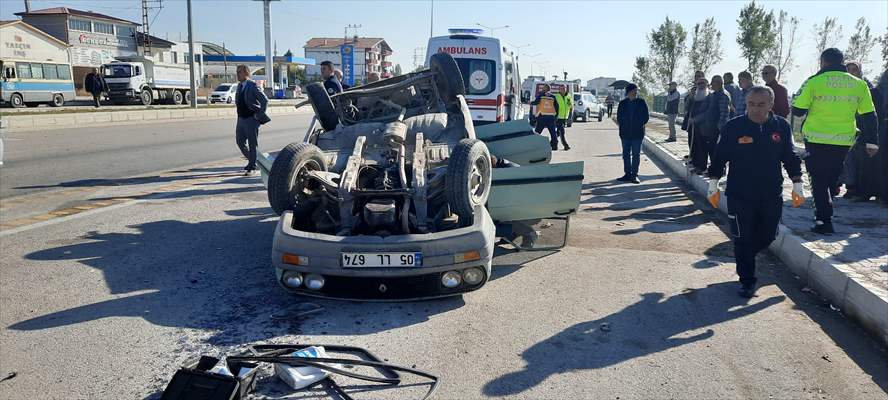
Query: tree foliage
(398,71)
(885,50)
(756,35)
(781,53)
(827,34)
(643,75)
(666,49)
(861,43)
(705,50)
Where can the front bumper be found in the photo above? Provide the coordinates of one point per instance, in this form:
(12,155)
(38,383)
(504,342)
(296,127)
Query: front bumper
(384,284)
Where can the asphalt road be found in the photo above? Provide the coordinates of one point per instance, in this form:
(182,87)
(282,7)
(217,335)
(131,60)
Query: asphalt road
(82,157)
(641,304)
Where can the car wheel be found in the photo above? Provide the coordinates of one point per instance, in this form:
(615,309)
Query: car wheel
(288,180)
(586,116)
(177,97)
(323,106)
(57,100)
(228,101)
(16,100)
(448,77)
(468,179)
(600,115)
(146,98)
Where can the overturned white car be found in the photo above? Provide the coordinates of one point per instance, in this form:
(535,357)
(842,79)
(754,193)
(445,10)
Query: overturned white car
(393,193)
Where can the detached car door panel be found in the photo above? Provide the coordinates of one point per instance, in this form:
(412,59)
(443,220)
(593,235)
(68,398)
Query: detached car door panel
(535,191)
(515,141)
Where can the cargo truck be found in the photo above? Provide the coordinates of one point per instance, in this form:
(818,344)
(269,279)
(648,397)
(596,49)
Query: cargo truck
(147,81)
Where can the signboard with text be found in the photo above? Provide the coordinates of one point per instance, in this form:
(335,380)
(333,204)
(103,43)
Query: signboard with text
(348,63)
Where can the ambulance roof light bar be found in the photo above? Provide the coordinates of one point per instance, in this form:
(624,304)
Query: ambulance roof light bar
(465,32)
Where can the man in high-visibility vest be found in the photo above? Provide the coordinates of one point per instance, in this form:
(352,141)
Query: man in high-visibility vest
(831,99)
(547,111)
(565,111)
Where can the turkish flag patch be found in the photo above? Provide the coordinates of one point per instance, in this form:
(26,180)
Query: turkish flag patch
(775,137)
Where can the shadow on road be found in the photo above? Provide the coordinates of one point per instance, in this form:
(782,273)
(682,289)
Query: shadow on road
(651,325)
(193,173)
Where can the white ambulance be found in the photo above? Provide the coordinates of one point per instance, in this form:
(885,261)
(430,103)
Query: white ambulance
(490,73)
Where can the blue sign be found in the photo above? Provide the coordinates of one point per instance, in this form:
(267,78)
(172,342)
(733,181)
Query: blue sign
(348,63)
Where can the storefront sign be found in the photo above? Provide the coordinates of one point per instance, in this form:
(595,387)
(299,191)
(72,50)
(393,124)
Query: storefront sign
(348,63)
(17,47)
(109,41)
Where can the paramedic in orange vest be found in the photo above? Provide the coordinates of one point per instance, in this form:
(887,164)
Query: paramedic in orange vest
(547,111)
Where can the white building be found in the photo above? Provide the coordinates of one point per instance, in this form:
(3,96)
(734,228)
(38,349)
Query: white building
(600,85)
(371,55)
(23,42)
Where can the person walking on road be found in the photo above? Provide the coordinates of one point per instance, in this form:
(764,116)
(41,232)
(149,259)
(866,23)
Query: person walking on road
(781,96)
(609,103)
(332,84)
(251,113)
(95,84)
(547,111)
(832,99)
(755,145)
(673,97)
(565,111)
(632,115)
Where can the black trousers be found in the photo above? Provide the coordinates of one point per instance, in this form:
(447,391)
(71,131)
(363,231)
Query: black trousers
(96,98)
(610,108)
(547,122)
(702,149)
(824,164)
(559,127)
(753,227)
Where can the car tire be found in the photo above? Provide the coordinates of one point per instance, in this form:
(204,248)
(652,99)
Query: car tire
(286,178)
(228,101)
(16,100)
(177,97)
(468,179)
(145,97)
(448,79)
(600,115)
(586,116)
(57,100)
(323,106)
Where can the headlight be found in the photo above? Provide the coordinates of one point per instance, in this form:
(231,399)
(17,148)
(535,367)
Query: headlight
(473,276)
(451,279)
(314,281)
(292,279)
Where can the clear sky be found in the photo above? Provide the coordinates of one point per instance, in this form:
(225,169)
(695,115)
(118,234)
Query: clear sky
(585,38)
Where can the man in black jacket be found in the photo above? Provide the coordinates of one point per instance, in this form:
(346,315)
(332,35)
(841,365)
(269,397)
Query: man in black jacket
(95,84)
(716,112)
(672,100)
(755,144)
(632,115)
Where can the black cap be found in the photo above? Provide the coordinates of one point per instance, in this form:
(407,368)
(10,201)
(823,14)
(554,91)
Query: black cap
(630,87)
(833,56)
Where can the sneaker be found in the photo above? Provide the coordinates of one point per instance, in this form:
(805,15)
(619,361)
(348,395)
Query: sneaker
(670,140)
(624,178)
(566,147)
(823,228)
(635,180)
(249,171)
(747,291)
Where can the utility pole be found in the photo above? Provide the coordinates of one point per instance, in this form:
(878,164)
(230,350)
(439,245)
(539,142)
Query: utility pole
(27,5)
(432,20)
(146,31)
(417,57)
(269,71)
(193,100)
(225,60)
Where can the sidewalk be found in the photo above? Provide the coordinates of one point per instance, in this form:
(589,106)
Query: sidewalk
(849,268)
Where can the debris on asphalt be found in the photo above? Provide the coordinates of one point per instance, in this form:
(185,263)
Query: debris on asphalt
(299,310)
(9,376)
(826,357)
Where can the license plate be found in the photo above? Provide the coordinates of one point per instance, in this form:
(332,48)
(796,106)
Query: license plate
(376,260)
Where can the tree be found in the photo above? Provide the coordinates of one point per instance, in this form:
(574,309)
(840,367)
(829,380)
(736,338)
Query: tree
(705,50)
(756,35)
(643,76)
(827,34)
(289,53)
(666,49)
(398,71)
(781,53)
(885,50)
(861,43)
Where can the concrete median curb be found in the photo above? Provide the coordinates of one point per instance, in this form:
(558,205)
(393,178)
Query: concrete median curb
(34,122)
(841,286)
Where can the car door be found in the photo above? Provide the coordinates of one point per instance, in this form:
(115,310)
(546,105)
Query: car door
(515,141)
(535,191)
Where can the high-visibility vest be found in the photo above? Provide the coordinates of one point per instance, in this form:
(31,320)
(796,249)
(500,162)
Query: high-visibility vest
(833,99)
(565,105)
(546,106)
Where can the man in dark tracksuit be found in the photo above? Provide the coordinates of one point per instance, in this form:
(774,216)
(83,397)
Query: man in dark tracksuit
(632,116)
(547,111)
(95,84)
(332,84)
(755,144)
